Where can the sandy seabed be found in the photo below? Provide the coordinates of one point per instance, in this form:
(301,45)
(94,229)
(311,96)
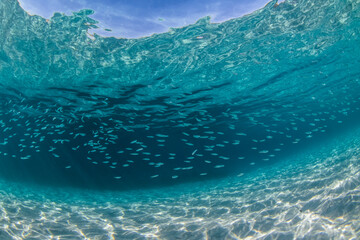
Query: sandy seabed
(315,195)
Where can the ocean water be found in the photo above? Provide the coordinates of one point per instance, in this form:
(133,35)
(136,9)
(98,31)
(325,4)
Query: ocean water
(246,129)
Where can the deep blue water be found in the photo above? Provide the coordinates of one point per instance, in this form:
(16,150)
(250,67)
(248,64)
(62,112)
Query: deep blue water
(246,128)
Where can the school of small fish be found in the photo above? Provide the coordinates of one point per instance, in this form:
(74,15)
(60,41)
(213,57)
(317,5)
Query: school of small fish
(199,143)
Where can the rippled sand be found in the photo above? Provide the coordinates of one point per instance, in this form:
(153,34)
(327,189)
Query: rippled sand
(315,196)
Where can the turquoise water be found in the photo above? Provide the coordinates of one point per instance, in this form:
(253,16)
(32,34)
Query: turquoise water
(241,129)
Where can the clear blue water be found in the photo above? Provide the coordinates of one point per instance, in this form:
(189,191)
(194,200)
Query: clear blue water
(242,129)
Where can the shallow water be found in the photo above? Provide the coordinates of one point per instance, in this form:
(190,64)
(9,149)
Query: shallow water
(315,197)
(242,129)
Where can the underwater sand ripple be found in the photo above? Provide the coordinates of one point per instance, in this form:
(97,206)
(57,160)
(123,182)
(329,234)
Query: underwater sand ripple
(319,199)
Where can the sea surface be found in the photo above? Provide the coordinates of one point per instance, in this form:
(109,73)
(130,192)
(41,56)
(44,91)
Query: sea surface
(245,129)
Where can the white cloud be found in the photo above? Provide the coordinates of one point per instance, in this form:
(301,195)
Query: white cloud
(131,21)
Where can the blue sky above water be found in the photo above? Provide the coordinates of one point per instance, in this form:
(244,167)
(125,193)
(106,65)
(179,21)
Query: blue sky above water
(137,18)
